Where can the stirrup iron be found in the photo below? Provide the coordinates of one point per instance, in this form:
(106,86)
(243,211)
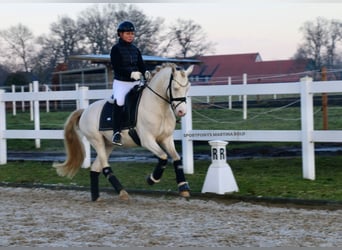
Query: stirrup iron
(116,139)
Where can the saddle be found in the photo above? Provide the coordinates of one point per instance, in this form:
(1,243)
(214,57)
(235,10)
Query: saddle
(130,113)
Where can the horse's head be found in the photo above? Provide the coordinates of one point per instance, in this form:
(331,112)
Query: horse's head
(171,85)
(178,88)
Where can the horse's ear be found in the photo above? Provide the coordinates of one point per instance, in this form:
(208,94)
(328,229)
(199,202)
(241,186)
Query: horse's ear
(189,70)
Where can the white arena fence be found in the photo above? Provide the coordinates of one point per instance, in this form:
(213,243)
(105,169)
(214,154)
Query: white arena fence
(306,88)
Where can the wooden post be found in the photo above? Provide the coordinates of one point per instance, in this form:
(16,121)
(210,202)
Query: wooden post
(324,101)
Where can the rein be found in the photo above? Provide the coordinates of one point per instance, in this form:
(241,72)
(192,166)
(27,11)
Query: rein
(172,99)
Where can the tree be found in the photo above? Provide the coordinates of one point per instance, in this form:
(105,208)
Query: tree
(98,27)
(47,58)
(3,74)
(67,37)
(18,78)
(321,38)
(19,39)
(334,37)
(147,35)
(64,40)
(186,39)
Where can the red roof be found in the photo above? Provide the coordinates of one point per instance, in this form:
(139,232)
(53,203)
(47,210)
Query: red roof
(219,67)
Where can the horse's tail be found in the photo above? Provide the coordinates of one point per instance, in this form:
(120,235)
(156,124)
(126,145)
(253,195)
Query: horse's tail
(74,147)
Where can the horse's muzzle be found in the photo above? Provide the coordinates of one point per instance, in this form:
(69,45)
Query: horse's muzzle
(180,110)
(180,113)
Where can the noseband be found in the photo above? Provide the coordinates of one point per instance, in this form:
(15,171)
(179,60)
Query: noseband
(172,99)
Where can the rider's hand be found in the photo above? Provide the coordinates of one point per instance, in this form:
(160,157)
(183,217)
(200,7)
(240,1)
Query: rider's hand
(136,75)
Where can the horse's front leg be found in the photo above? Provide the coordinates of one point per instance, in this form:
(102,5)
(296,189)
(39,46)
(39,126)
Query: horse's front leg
(158,171)
(183,186)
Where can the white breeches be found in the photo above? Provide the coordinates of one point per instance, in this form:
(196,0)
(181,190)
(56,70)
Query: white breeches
(120,89)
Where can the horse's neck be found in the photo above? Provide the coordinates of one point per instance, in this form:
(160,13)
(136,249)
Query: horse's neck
(159,86)
(155,98)
(161,82)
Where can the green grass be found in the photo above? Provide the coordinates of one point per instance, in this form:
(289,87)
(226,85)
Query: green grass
(265,177)
(261,119)
(51,120)
(261,177)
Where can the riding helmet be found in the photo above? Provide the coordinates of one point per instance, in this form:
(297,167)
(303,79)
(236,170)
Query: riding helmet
(125,26)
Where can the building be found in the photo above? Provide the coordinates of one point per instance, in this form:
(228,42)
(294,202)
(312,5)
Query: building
(217,69)
(214,69)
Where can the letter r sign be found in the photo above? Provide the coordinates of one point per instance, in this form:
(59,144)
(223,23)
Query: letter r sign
(218,154)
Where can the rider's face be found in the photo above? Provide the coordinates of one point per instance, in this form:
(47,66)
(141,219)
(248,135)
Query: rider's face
(127,36)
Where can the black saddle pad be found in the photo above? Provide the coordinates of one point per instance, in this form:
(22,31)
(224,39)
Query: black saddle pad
(130,112)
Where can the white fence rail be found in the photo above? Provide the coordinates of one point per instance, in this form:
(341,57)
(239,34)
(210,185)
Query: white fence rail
(307,135)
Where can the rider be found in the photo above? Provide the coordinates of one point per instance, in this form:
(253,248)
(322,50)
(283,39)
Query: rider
(128,69)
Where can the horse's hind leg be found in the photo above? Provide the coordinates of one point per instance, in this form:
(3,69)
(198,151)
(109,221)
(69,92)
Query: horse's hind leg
(94,185)
(101,163)
(108,173)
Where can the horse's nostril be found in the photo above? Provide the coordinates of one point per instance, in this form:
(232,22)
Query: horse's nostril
(181,113)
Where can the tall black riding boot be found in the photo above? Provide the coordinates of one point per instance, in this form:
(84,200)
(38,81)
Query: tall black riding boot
(116,118)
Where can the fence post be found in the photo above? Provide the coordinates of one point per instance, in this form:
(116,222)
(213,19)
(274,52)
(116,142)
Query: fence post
(83,101)
(77,101)
(22,102)
(229,97)
(244,98)
(187,143)
(36,113)
(307,121)
(14,103)
(3,141)
(31,102)
(47,103)
(325,101)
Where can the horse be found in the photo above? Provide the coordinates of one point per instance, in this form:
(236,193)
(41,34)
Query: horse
(162,102)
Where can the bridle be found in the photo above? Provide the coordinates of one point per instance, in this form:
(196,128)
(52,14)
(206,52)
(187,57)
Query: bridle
(180,100)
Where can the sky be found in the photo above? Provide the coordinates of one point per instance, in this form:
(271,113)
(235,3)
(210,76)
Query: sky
(269,27)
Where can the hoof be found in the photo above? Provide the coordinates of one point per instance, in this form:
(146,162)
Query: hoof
(184,194)
(123,196)
(149,181)
(184,190)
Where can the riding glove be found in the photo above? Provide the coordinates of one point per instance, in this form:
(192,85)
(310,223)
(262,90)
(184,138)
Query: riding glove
(136,75)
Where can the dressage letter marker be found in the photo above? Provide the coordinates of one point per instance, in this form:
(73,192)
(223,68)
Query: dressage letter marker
(219,178)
